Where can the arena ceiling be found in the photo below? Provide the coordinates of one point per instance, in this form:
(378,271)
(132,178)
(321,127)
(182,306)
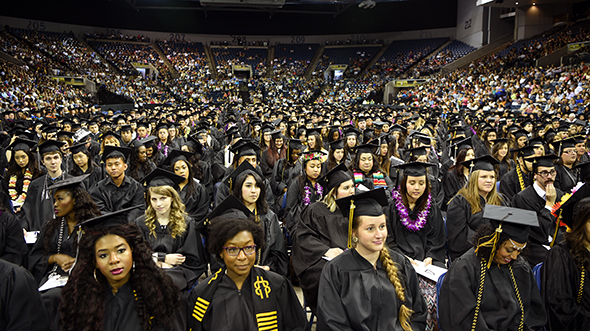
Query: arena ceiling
(294,17)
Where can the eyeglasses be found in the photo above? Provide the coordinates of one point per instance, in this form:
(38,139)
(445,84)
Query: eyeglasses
(547,173)
(571,151)
(235,251)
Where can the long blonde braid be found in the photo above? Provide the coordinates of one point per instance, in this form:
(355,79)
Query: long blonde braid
(405,313)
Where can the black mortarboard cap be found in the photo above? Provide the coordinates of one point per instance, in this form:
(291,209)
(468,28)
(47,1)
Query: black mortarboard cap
(485,162)
(276,134)
(536,141)
(230,205)
(232,178)
(584,169)
(338,175)
(415,169)
(295,144)
(161,177)
(78,148)
(21,144)
(368,203)
(175,155)
(515,222)
(544,161)
(500,140)
(115,152)
(337,144)
(65,134)
(107,220)
(397,127)
(416,152)
(109,133)
(50,146)
(568,210)
(525,151)
(245,147)
(313,131)
(560,145)
(70,182)
(351,132)
(125,128)
(365,148)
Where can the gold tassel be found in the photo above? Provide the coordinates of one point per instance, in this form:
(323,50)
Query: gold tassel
(230,185)
(556,230)
(350,218)
(492,242)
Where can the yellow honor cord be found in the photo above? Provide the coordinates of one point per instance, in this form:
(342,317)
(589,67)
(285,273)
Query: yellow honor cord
(350,218)
(556,230)
(492,242)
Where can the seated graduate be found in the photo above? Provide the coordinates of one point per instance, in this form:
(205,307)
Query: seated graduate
(84,164)
(22,307)
(541,197)
(286,169)
(456,177)
(369,287)
(304,190)
(365,169)
(38,205)
(465,210)
(336,155)
(321,233)
(415,227)
(500,152)
(193,195)
(139,163)
(491,287)
(520,177)
(108,138)
(248,187)
(117,190)
(565,180)
(276,150)
(201,167)
(115,284)
(53,253)
(240,296)
(563,274)
(171,233)
(420,154)
(12,243)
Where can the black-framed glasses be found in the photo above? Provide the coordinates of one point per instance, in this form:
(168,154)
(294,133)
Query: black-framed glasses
(545,174)
(235,251)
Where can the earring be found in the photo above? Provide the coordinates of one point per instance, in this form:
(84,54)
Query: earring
(133,266)
(355,239)
(95,275)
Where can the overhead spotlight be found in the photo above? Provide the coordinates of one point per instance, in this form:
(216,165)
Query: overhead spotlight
(517,3)
(534,4)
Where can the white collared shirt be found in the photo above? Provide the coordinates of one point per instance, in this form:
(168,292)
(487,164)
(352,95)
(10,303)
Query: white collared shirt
(541,193)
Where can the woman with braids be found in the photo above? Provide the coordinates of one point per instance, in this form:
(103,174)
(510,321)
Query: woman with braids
(139,163)
(564,286)
(240,296)
(83,164)
(249,188)
(491,287)
(321,233)
(171,233)
(22,170)
(369,287)
(53,254)
(116,284)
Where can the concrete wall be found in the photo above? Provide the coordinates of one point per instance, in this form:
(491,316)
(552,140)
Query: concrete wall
(533,20)
(470,21)
(80,30)
(499,27)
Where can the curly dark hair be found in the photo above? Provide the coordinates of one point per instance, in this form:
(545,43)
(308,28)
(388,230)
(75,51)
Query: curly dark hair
(15,169)
(223,228)
(82,301)
(84,209)
(261,204)
(575,239)
(135,165)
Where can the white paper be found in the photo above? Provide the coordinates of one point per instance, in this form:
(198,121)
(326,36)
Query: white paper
(53,282)
(431,272)
(327,258)
(31,237)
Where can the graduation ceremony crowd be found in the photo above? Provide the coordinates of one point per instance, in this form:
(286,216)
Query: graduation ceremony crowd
(207,216)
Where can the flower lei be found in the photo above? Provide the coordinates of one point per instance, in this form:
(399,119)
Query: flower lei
(19,199)
(166,148)
(404,217)
(307,198)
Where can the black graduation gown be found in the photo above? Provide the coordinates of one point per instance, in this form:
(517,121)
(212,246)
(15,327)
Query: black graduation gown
(438,194)
(367,181)
(530,200)
(98,174)
(509,184)
(353,295)
(39,256)
(38,206)
(141,173)
(451,184)
(197,204)
(499,309)
(274,254)
(188,244)
(264,166)
(120,310)
(462,223)
(223,191)
(232,309)
(565,179)
(295,205)
(427,242)
(12,243)
(503,168)
(282,177)
(318,230)
(21,307)
(110,198)
(560,285)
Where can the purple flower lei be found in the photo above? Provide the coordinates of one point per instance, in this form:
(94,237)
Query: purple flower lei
(404,217)
(166,148)
(307,198)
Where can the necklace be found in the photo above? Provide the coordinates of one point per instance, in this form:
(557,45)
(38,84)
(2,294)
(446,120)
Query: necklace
(307,198)
(404,216)
(18,200)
